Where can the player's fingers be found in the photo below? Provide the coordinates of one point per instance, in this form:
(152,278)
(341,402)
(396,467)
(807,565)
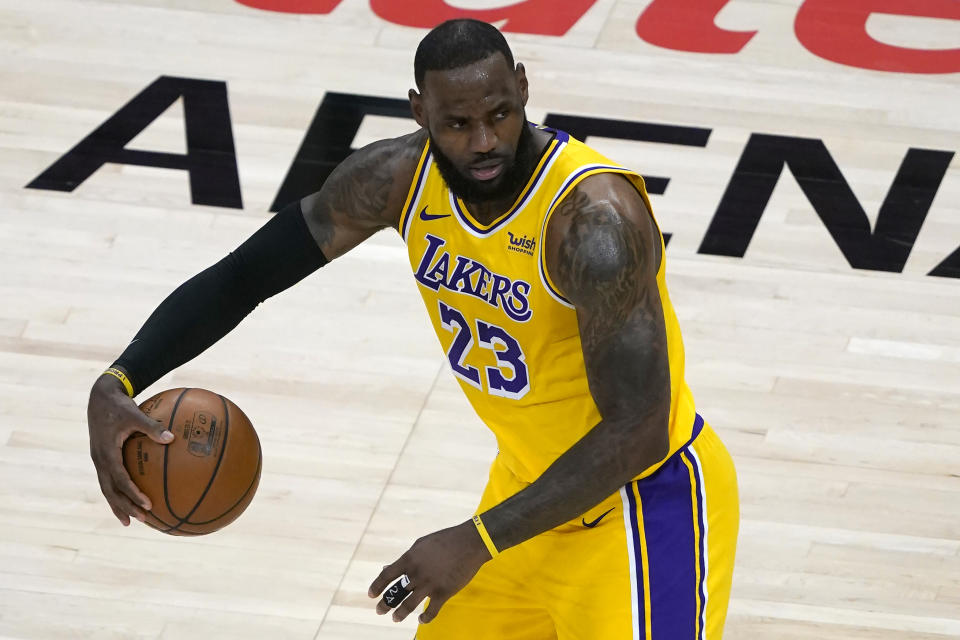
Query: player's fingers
(382,581)
(412,602)
(433,608)
(122,507)
(121,516)
(112,465)
(131,508)
(130,491)
(124,485)
(394,595)
(154,429)
(106,488)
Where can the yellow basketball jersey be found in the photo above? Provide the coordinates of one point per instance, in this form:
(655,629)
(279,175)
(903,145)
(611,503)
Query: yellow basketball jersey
(511,338)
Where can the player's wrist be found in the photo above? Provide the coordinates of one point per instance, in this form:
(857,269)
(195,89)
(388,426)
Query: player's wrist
(109,385)
(121,376)
(488,548)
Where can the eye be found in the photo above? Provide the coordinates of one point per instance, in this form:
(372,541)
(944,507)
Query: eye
(457,124)
(502,115)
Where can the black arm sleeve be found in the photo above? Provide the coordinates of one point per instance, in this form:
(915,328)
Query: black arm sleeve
(209,305)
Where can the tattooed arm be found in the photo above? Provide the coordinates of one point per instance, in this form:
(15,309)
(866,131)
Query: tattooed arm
(363,195)
(603,252)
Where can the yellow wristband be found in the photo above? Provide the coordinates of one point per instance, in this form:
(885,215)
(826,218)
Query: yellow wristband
(492,548)
(121,376)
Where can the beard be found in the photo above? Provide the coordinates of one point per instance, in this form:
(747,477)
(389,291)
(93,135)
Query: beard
(516,171)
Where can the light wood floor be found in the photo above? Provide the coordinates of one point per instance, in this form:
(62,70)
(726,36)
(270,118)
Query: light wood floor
(837,390)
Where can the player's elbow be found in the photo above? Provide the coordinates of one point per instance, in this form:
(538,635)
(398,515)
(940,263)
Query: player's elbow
(650,440)
(658,441)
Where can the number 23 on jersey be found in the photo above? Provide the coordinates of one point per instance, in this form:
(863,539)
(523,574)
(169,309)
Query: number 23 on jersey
(509,378)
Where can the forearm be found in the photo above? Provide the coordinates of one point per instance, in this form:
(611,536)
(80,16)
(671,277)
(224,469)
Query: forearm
(191,319)
(602,461)
(212,303)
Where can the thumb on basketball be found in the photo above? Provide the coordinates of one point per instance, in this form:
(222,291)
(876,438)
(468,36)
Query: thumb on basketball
(155,430)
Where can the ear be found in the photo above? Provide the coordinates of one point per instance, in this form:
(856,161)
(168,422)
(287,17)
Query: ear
(521,75)
(416,108)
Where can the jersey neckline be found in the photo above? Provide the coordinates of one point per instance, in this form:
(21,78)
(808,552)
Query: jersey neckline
(547,157)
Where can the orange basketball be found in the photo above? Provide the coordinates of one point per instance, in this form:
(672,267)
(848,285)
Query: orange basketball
(206,477)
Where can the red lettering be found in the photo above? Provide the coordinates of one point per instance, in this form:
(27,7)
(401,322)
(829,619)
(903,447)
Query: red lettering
(837,31)
(688,25)
(541,17)
(293,6)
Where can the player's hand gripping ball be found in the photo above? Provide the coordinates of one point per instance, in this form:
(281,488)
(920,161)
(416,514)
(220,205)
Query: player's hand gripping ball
(206,477)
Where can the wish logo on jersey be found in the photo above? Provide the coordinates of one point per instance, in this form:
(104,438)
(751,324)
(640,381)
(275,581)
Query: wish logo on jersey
(523,244)
(470,277)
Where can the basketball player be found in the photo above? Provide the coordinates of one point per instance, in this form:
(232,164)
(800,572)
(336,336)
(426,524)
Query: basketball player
(611,509)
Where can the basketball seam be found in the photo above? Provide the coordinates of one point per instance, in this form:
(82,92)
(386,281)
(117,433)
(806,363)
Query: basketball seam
(240,499)
(160,520)
(223,450)
(173,414)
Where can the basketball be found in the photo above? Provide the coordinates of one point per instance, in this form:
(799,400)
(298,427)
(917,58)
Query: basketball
(206,477)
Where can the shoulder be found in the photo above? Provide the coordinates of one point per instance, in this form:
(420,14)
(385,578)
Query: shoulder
(394,159)
(391,164)
(601,232)
(370,186)
(400,153)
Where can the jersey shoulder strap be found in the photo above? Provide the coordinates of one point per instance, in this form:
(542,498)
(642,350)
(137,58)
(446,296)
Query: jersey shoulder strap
(578,163)
(416,190)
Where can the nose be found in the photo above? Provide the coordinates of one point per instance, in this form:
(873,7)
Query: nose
(484,139)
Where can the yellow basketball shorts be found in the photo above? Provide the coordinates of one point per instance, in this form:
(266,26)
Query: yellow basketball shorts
(651,562)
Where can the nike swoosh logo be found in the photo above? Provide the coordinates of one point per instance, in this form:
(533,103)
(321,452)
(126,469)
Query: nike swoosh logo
(591,525)
(430,216)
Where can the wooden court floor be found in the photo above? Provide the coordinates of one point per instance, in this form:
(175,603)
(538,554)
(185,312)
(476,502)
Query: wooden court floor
(817,343)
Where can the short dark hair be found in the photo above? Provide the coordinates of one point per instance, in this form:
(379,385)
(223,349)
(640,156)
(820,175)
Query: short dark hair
(457,43)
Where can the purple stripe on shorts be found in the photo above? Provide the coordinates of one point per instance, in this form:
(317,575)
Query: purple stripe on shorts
(671,550)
